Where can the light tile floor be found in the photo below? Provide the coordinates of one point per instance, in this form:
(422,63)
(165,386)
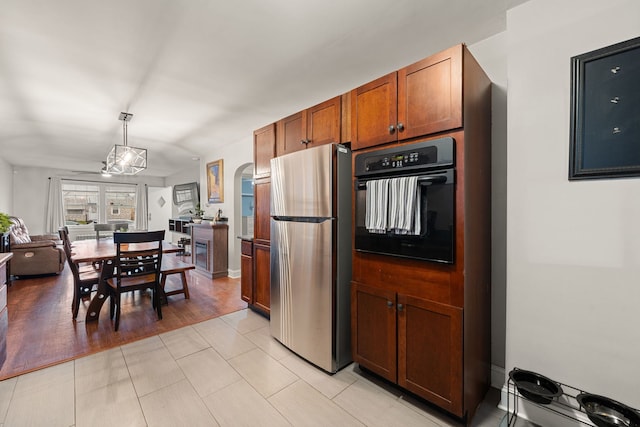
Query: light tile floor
(226,371)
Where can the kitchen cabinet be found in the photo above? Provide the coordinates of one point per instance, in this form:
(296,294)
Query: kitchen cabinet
(320,124)
(261,291)
(431,321)
(420,99)
(264,149)
(246,271)
(410,341)
(261,277)
(262,210)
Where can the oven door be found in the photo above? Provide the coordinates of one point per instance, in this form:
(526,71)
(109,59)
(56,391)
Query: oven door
(436,241)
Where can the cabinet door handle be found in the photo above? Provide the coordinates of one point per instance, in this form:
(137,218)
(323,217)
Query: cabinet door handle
(389,304)
(400,127)
(392,128)
(400,307)
(307,141)
(302,141)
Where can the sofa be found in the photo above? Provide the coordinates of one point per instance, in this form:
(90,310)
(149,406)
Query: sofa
(34,254)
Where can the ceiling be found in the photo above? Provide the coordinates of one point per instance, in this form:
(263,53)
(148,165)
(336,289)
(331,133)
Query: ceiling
(198,74)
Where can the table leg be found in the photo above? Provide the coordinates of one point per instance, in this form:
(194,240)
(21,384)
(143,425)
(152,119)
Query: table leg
(102,293)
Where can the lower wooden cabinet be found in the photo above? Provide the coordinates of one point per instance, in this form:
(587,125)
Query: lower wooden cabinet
(261,277)
(411,341)
(246,271)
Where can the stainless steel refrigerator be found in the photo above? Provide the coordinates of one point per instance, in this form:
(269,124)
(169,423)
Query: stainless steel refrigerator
(311,254)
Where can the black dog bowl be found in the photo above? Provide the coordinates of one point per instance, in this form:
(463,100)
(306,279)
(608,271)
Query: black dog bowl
(535,387)
(605,412)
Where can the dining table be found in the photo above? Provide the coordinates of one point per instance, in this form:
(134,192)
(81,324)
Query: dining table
(101,251)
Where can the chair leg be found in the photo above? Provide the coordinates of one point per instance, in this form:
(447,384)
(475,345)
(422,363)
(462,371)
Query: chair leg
(156,299)
(75,305)
(112,304)
(117,325)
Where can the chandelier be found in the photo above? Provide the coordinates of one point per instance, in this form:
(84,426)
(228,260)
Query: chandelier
(123,159)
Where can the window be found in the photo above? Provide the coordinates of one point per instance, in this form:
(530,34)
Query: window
(86,203)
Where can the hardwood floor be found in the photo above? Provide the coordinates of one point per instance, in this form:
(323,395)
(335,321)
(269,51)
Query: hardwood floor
(42,332)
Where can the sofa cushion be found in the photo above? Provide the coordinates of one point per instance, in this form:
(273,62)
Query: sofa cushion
(19,231)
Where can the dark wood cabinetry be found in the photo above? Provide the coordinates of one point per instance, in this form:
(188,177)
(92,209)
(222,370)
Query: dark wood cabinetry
(412,341)
(246,271)
(255,282)
(430,350)
(421,99)
(209,249)
(425,325)
(420,324)
(261,277)
(320,124)
(264,149)
(262,209)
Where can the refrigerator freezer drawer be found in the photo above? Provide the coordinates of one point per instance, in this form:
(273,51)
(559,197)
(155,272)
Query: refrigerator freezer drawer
(302,289)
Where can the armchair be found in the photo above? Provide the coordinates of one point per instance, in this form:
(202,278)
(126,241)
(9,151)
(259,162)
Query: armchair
(33,255)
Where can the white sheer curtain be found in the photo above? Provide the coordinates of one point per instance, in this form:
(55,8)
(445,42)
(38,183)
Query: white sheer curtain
(55,211)
(142,207)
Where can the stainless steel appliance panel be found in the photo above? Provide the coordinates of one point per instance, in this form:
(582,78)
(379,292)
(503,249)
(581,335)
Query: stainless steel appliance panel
(302,286)
(301,183)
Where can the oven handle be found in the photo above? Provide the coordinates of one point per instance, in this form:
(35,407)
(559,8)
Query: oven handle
(422,180)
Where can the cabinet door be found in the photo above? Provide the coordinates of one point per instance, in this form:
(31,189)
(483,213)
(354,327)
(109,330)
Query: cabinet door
(373,326)
(264,149)
(262,277)
(323,122)
(430,351)
(430,94)
(374,112)
(246,278)
(262,204)
(292,133)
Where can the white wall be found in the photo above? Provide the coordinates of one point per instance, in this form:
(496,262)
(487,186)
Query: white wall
(573,262)
(6,187)
(235,155)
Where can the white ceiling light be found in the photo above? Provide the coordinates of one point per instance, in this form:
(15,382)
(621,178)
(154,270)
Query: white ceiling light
(125,160)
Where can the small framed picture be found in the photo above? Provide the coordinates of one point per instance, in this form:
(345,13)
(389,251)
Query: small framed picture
(215,181)
(605,112)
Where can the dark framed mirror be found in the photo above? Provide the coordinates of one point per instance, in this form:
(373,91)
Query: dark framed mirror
(605,112)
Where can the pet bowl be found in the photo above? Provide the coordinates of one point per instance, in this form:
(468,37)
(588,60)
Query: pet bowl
(605,412)
(535,387)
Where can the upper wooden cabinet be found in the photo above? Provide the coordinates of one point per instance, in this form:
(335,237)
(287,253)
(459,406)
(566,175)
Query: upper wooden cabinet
(264,149)
(311,127)
(421,99)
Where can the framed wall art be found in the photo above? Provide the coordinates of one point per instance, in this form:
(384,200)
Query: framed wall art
(215,182)
(605,112)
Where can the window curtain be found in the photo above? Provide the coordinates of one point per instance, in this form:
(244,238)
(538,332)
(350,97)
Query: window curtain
(55,210)
(142,207)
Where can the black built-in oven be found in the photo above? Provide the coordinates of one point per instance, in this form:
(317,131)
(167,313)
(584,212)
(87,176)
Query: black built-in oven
(432,162)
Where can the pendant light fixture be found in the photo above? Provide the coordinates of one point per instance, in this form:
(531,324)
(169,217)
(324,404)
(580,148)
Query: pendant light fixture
(123,159)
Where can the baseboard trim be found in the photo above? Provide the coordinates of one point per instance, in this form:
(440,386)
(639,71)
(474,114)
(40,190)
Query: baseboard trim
(234,274)
(497,377)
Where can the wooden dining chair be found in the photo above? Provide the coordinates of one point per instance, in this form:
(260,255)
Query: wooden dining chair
(84,279)
(137,266)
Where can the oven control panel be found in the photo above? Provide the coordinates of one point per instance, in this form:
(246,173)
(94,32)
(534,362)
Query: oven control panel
(426,154)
